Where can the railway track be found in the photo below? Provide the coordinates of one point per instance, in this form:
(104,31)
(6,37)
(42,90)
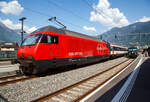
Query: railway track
(14,78)
(79,90)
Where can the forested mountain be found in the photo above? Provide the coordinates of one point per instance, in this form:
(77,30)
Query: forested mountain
(134,34)
(8,35)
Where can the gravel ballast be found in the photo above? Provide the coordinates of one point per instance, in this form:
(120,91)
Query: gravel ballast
(35,88)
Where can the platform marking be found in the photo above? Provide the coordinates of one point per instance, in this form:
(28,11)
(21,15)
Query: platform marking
(98,89)
(124,92)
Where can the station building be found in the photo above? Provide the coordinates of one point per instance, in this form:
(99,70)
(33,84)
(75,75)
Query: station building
(8,50)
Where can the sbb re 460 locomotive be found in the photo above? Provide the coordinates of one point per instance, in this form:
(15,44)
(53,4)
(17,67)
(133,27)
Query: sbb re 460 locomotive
(50,47)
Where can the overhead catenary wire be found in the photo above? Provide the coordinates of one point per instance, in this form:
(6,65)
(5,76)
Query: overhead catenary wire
(68,11)
(37,12)
(88,4)
(61,19)
(48,15)
(76,15)
(91,7)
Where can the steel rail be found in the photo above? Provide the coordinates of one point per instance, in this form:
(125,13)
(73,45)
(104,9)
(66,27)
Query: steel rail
(69,89)
(10,76)
(13,79)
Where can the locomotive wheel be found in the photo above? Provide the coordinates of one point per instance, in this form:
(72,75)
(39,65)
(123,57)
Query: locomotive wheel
(34,70)
(28,70)
(23,70)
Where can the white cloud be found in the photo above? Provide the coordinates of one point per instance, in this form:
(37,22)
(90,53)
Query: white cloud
(12,7)
(32,29)
(110,17)
(92,29)
(10,24)
(144,19)
(13,26)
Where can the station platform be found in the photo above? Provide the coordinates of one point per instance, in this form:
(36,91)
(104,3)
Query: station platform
(141,89)
(133,88)
(8,69)
(5,63)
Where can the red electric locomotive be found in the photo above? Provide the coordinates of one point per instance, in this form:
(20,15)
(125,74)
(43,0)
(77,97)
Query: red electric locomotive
(50,47)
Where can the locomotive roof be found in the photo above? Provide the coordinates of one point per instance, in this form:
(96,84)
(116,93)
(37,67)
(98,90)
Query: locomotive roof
(67,32)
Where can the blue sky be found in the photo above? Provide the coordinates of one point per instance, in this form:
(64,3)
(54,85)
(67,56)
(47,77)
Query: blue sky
(90,17)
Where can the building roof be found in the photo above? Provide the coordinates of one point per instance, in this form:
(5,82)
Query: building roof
(9,45)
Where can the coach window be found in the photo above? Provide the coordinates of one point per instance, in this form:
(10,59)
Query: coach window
(118,49)
(111,48)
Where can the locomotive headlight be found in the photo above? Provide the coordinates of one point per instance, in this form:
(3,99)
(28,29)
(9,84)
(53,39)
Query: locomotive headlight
(30,58)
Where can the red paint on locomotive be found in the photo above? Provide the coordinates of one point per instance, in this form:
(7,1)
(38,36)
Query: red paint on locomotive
(56,47)
(67,47)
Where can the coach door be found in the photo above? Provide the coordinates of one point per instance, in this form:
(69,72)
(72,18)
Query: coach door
(53,41)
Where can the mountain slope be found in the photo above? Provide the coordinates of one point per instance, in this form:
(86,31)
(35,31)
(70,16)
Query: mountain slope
(137,33)
(8,35)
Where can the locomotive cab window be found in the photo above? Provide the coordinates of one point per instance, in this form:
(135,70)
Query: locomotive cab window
(31,40)
(49,39)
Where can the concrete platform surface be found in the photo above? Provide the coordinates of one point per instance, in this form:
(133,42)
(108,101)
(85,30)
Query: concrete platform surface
(5,63)
(8,69)
(133,88)
(141,88)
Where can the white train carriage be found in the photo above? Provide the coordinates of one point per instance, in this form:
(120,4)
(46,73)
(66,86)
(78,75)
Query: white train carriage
(117,50)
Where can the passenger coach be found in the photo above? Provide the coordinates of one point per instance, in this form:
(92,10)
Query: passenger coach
(117,50)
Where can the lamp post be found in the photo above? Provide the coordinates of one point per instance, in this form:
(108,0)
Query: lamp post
(22,31)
